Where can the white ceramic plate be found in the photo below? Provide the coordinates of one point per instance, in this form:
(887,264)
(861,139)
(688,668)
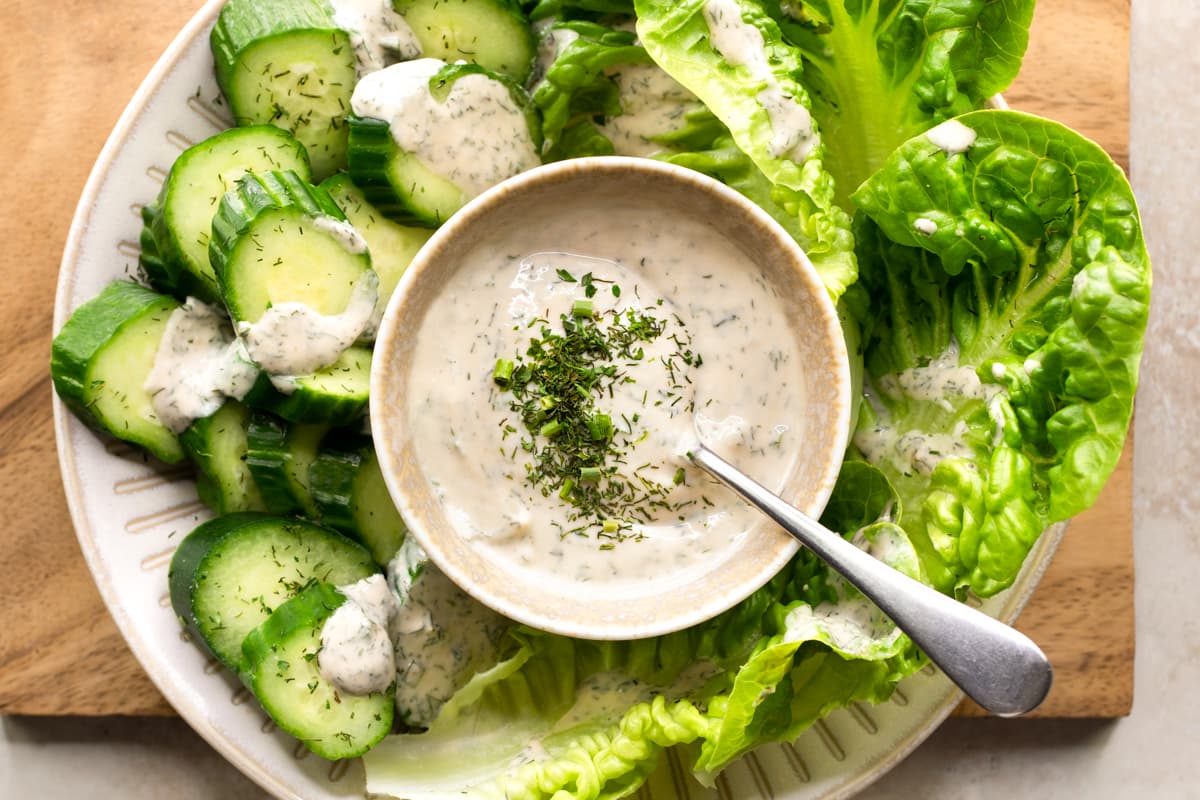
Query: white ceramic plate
(129,514)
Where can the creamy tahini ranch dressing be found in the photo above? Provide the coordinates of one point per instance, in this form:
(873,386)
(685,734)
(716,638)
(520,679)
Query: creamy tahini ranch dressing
(942,382)
(440,635)
(292,339)
(356,654)
(341,230)
(741,44)
(474,138)
(552,41)
(747,389)
(951,137)
(652,104)
(378,34)
(198,365)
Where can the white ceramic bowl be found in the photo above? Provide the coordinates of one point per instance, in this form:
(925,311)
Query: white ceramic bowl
(675,203)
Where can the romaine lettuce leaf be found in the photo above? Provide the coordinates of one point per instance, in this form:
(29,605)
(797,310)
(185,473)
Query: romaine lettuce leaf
(1008,285)
(882,71)
(600,94)
(576,9)
(749,78)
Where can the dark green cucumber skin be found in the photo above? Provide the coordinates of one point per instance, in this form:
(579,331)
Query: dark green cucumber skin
(337,477)
(241,24)
(256,193)
(163,273)
(303,443)
(305,407)
(200,554)
(88,329)
(163,258)
(267,674)
(222,486)
(268,459)
(370,154)
(331,477)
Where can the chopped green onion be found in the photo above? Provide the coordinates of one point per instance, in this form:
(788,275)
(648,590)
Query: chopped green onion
(589,475)
(502,374)
(567,487)
(551,429)
(546,402)
(582,308)
(611,526)
(600,427)
(679,476)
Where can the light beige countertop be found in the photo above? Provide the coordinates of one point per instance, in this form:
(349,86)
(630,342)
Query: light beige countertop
(1150,753)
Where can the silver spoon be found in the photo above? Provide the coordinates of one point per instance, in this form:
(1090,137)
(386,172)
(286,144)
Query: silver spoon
(997,667)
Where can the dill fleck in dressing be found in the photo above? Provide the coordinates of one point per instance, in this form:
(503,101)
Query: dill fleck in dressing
(572,390)
(562,373)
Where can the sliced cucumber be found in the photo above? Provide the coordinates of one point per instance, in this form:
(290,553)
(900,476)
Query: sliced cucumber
(336,395)
(286,63)
(270,247)
(492,33)
(282,665)
(217,447)
(392,246)
(100,359)
(303,442)
(179,225)
(269,462)
(352,497)
(230,573)
(395,182)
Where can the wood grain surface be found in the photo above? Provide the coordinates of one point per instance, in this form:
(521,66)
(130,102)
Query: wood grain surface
(67,81)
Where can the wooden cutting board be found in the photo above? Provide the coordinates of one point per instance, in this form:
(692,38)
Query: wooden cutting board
(69,78)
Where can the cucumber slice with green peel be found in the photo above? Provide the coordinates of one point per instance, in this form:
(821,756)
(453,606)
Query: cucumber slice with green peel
(278,239)
(492,33)
(101,358)
(178,226)
(402,166)
(352,497)
(335,395)
(303,443)
(230,573)
(331,477)
(283,670)
(217,448)
(286,63)
(392,246)
(269,462)
(396,182)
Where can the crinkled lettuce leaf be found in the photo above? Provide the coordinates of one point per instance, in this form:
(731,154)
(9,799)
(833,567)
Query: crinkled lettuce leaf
(1008,289)
(760,109)
(594,75)
(881,72)
(591,718)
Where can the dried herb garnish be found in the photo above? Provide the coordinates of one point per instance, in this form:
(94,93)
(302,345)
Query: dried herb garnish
(559,386)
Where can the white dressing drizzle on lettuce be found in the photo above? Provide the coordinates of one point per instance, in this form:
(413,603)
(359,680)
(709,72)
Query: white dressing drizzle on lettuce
(677,35)
(1036,280)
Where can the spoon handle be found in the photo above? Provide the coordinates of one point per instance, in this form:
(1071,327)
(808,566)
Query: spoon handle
(999,668)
